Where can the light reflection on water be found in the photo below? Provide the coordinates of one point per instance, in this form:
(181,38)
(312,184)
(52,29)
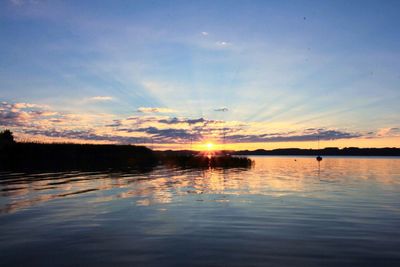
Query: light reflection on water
(284,211)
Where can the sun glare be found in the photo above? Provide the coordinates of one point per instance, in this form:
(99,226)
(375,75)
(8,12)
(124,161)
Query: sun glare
(210,146)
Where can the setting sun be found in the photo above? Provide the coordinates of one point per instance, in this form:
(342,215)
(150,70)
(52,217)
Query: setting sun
(210,146)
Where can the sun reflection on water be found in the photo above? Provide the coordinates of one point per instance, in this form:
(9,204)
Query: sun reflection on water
(272,176)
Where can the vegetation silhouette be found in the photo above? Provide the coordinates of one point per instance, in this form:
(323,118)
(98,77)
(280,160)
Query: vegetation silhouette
(201,161)
(6,138)
(57,157)
(34,157)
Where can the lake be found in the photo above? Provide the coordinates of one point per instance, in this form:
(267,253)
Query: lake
(284,211)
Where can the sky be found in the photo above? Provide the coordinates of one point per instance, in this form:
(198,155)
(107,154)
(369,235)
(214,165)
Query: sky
(181,74)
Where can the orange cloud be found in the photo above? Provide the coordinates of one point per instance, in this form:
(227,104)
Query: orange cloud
(35,122)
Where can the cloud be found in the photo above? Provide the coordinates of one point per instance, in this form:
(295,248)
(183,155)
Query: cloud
(115,123)
(177,136)
(388,132)
(223,44)
(23,2)
(86,135)
(182,120)
(292,137)
(100,98)
(28,105)
(155,110)
(17,2)
(21,114)
(204,33)
(222,109)
(170,135)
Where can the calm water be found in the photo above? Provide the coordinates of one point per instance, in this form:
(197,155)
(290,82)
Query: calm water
(282,212)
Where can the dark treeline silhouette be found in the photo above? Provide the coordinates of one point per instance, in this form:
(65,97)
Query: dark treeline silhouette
(36,157)
(329,151)
(6,138)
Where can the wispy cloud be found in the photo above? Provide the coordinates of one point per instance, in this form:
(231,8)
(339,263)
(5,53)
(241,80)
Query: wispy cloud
(21,114)
(293,136)
(204,33)
(100,98)
(183,121)
(221,109)
(17,2)
(28,105)
(23,2)
(388,132)
(223,44)
(155,110)
(86,136)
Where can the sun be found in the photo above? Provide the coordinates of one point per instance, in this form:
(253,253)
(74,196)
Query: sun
(210,146)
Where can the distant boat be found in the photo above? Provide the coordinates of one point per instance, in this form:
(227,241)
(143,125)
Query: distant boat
(318,158)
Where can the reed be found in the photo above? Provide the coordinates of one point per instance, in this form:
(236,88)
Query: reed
(63,156)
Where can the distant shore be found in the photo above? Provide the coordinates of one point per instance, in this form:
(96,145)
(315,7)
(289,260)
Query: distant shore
(330,151)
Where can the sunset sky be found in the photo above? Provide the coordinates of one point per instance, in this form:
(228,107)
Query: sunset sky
(181,74)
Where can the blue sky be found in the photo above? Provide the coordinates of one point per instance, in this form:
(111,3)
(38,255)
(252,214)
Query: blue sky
(276,67)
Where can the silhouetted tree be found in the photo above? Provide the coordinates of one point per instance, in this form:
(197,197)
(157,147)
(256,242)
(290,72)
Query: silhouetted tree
(6,137)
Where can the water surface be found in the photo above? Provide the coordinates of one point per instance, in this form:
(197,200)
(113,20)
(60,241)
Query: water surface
(285,211)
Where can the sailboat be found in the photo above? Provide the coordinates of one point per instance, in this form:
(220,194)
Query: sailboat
(318,158)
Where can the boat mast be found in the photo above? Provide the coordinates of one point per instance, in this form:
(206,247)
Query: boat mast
(319,158)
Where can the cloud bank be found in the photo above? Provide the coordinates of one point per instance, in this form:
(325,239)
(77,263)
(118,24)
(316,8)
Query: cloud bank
(40,122)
